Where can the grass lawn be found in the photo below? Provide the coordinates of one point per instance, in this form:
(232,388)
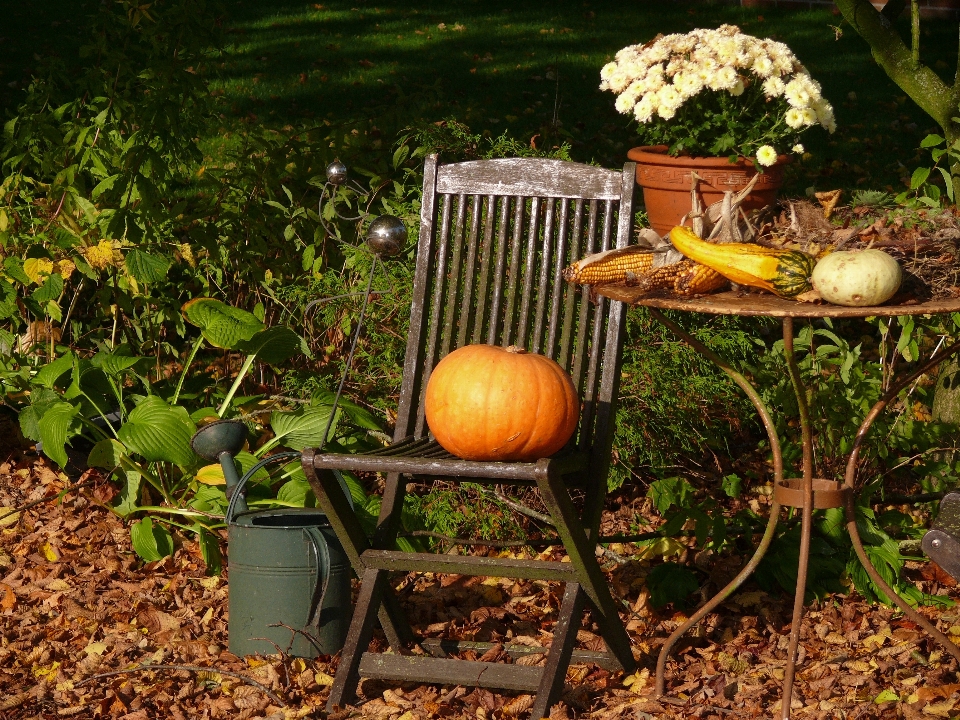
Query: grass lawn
(506,67)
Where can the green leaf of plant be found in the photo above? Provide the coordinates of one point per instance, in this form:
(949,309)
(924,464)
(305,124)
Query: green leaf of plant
(151,542)
(13,267)
(128,501)
(273,345)
(146,267)
(930,141)
(210,550)
(106,454)
(296,491)
(222,326)
(301,428)
(50,290)
(54,429)
(357,414)
(671,583)
(51,372)
(732,485)
(160,432)
(919,177)
(113,363)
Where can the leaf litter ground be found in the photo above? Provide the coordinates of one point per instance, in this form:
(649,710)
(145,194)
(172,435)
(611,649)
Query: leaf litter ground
(78,611)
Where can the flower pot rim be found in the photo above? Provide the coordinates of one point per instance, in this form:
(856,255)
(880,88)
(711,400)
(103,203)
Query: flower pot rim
(657,155)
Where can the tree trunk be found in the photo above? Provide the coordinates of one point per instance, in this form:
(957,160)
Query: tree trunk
(946,396)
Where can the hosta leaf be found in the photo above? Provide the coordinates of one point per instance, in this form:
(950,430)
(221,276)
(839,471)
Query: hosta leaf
(128,500)
(303,427)
(51,372)
(112,363)
(210,550)
(296,491)
(146,267)
(274,345)
(159,432)
(151,542)
(213,474)
(222,326)
(54,428)
(106,454)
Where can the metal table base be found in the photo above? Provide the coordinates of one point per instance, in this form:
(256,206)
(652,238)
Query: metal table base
(806,493)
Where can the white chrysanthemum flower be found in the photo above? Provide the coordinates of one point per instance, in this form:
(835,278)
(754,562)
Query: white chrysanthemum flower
(766,155)
(624,103)
(667,96)
(724,79)
(726,50)
(798,148)
(809,116)
(607,71)
(825,116)
(797,94)
(794,118)
(688,84)
(763,66)
(737,90)
(644,109)
(773,87)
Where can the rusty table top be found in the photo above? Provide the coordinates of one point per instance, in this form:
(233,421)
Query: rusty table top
(765,304)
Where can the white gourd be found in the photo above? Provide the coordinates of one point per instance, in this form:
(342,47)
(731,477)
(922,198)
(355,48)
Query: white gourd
(857,278)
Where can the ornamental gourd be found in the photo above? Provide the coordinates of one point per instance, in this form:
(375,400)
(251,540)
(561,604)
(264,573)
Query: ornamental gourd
(857,278)
(485,402)
(784,272)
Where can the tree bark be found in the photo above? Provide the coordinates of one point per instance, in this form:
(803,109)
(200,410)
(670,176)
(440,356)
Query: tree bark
(924,86)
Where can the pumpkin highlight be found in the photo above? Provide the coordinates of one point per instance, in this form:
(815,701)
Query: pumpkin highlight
(485,402)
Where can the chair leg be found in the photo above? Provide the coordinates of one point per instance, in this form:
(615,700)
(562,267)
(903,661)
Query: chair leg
(569,525)
(558,658)
(345,683)
(335,506)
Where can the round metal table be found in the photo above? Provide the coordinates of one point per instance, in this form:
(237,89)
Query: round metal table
(806,493)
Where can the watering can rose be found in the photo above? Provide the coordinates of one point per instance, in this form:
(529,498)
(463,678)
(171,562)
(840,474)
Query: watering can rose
(485,402)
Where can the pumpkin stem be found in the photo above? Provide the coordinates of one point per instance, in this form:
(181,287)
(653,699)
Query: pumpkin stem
(517,350)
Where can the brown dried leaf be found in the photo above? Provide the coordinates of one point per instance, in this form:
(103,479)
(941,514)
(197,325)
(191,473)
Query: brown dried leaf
(829,200)
(518,705)
(157,621)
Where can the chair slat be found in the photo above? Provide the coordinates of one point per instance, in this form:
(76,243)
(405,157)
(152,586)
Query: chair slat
(514,279)
(544,256)
(467,314)
(529,271)
(557,285)
(486,266)
(496,298)
(570,291)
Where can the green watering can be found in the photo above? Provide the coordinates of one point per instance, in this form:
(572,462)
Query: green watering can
(289,579)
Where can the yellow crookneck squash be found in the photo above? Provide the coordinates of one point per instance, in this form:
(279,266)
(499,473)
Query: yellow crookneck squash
(783,272)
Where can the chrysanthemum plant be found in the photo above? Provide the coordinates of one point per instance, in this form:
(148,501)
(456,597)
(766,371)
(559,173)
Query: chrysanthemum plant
(718,92)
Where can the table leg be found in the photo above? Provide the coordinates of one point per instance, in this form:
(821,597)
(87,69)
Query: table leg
(751,392)
(852,528)
(806,525)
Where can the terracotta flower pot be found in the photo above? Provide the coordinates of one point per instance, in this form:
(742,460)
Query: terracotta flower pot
(666,183)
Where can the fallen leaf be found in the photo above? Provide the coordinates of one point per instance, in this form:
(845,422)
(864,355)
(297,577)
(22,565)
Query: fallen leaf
(8,598)
(7,516)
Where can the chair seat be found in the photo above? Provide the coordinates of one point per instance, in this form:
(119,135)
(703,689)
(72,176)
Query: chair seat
(425,457)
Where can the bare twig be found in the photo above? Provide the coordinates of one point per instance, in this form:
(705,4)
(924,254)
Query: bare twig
(188,668)
(523,509)
(58,496)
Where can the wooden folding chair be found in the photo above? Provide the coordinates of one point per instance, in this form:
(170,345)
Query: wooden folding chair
(494,238)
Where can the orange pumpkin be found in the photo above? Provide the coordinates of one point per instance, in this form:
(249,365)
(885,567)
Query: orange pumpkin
(486,402)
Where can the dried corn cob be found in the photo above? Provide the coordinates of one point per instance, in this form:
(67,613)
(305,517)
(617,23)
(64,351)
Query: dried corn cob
(610,266)
(635,266)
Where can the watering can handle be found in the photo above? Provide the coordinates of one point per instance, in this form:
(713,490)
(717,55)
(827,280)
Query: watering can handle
(234,497)
(323,570)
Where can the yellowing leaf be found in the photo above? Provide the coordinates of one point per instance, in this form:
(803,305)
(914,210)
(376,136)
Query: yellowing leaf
(637,681)
(211,475)
(6,518)
(887,695)
(666,547)
(322,679)
(940,709)
(210,582)
(835,638)
(95,648)
(49,552)
(58,585)
(41,672)
(37,269)
(4,221)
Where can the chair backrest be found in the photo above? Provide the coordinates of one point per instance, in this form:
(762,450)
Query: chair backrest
(495,236)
